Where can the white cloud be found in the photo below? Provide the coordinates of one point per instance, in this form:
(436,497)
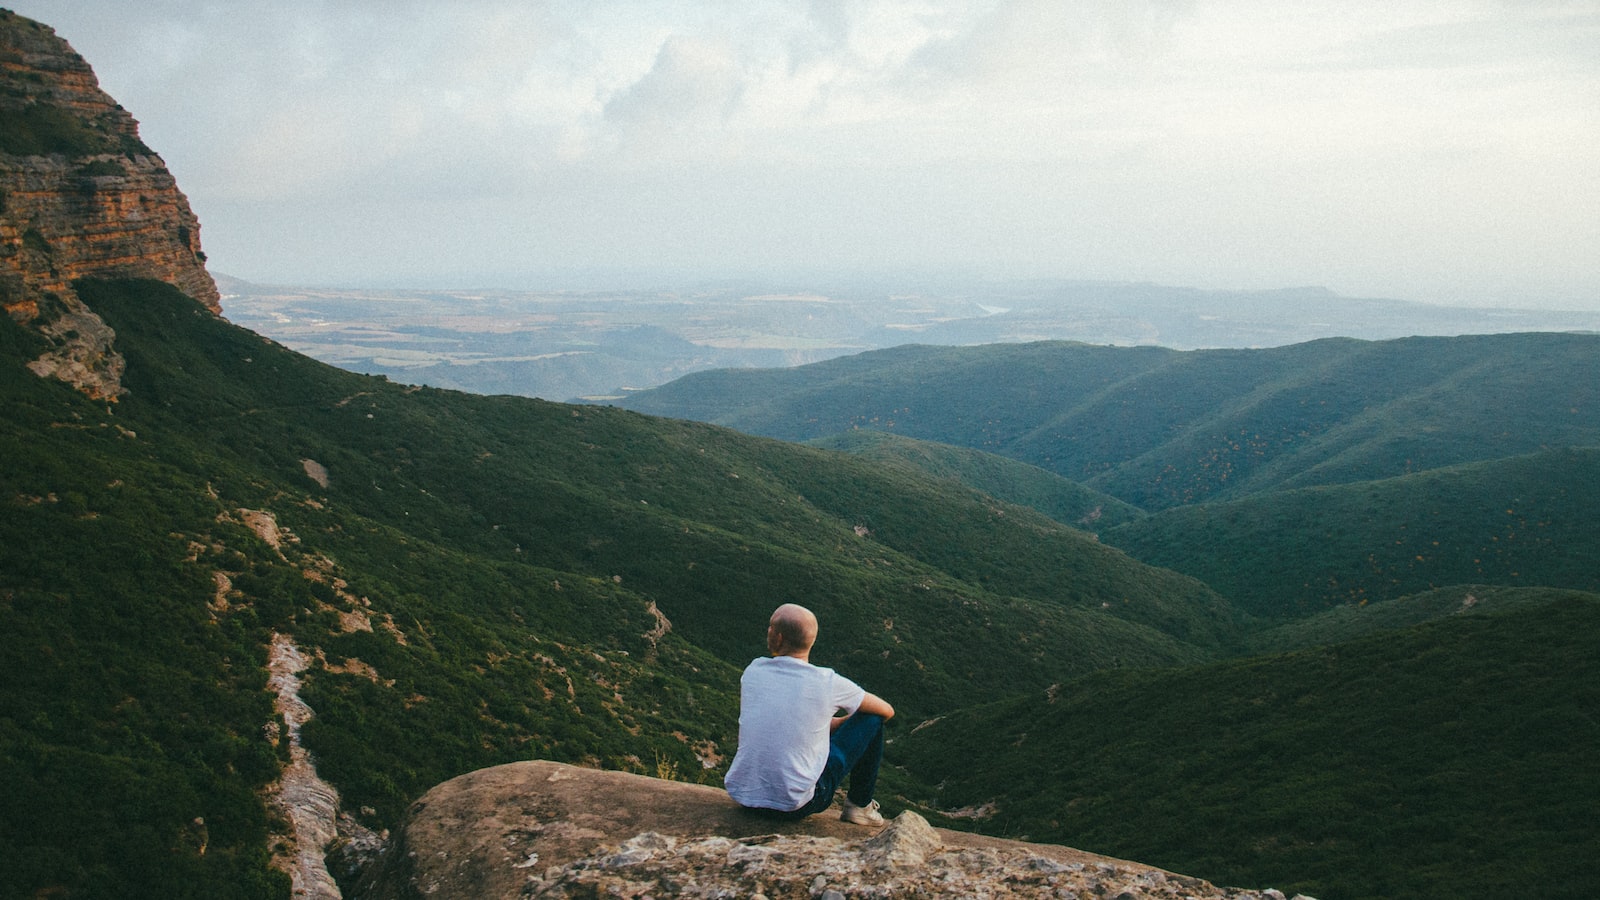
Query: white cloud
(694,84)
(1444,150)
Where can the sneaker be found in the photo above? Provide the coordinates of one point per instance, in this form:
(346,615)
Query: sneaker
(861,815)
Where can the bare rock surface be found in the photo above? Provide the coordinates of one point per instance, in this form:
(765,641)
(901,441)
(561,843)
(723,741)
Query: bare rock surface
(544,829)
(309,804)
(81,196)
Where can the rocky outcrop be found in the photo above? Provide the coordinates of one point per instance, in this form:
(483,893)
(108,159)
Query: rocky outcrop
(81,196)
(309,804)
(543,829)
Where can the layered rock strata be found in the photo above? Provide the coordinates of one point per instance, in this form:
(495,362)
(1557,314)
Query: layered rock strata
(81,196)
(543,829)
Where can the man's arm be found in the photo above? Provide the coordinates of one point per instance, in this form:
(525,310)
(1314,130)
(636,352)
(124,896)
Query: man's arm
(876,706)
(870,703)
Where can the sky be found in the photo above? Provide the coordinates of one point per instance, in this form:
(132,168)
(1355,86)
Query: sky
(1444,151)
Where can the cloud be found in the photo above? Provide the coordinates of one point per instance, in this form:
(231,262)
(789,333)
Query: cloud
(1023,43)
(1430,150)
(694,83)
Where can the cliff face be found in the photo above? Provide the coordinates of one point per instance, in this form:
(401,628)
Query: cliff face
(80,197)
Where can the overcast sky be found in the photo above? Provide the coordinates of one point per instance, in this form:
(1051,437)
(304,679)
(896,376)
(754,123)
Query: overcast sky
(1443,151)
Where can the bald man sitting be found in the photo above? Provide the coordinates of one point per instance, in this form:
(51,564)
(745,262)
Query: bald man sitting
(794,751)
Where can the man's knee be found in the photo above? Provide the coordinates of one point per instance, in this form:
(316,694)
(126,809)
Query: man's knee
(857,736)
(871,723)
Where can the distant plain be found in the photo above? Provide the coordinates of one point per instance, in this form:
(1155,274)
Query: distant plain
(598,345)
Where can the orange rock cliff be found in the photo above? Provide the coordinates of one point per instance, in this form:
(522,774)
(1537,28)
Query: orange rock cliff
(81,196)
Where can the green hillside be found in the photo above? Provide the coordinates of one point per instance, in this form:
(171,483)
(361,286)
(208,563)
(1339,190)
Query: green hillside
(1451,759)
(1351,621)
(1004,479)
(479,580)
(1160,428)
(483,579)
(1523,521)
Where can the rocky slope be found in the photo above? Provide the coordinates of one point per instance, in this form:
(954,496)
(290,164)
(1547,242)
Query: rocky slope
(542,829)
(80,196)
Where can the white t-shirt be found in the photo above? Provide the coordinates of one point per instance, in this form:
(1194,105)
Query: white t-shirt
(785,705)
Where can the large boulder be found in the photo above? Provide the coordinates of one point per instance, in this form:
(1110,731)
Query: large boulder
(544,829)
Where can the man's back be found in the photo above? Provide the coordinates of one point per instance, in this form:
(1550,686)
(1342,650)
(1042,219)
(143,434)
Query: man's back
(785,708)
(793,752)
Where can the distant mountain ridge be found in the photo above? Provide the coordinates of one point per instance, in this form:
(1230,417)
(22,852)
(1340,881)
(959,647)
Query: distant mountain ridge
(1162,428)
(598,345)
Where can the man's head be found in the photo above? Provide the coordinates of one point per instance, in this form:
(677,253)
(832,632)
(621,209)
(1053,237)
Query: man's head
(791,631)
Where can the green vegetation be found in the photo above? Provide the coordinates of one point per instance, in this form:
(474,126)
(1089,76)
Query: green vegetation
(1350,621)
(1526,520)
(131,720)
(102,167)
(483,579)
(1451,759)
(1004,479)
(39,129)
(1161,428)
(478,581)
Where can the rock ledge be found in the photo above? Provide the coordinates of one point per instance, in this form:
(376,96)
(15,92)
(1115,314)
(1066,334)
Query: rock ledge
(544,829)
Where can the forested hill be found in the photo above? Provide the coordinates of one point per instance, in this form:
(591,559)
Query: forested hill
(1450,759)
(1160,428)
(474,580)
(1520,521)
(1006,479)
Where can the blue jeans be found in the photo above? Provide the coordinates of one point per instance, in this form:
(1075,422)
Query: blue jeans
(855,749)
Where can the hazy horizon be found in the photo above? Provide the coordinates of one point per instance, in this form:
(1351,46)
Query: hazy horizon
(1446,153)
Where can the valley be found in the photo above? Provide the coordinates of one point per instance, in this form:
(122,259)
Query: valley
(1320,614)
